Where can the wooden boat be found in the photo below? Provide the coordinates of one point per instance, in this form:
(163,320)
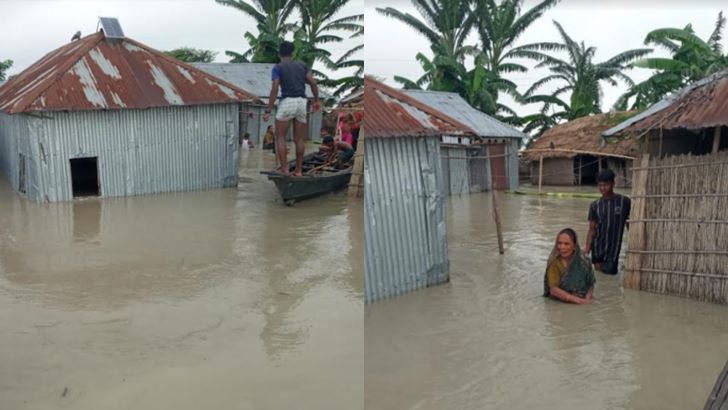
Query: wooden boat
(319,177)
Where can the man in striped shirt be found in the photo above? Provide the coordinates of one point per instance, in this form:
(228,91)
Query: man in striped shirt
(608,216)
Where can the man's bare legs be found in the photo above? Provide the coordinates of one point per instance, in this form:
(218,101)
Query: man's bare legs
(299,134)
(281,151)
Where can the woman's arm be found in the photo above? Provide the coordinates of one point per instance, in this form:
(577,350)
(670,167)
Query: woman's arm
(565,296)
(590,294)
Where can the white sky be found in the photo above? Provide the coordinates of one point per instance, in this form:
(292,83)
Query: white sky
(612,26)
(31,28)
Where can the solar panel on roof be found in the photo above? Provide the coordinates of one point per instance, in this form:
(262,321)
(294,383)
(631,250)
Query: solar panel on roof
(111,27)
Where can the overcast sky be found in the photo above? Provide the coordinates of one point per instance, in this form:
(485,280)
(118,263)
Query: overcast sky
(611,26)
(31,28)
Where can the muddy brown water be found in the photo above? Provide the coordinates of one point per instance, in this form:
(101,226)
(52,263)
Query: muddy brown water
(489,340)
(216,299)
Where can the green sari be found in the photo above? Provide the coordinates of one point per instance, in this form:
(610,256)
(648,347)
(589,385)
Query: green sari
(579,275)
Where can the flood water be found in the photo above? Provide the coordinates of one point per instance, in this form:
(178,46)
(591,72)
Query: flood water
(217,299)
(489,340)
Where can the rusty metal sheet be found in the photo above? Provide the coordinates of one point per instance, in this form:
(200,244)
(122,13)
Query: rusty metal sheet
(96,73)
(391,113)
(702,105)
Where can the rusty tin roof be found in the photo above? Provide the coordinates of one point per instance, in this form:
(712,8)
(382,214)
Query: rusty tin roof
(95,73)
(391,113)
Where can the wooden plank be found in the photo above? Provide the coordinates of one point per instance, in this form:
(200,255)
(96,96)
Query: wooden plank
(577,151)
(716,139)
(540,173)
(496,216)
(718,398)
(356,184)
(637,230)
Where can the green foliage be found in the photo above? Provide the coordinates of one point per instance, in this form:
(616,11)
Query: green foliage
(192,55)
(5,66)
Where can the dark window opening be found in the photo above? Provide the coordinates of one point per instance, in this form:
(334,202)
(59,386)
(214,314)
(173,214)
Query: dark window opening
(586,168)
(85,177)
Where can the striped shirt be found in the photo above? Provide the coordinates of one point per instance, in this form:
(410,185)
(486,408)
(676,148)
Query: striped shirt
(610,214)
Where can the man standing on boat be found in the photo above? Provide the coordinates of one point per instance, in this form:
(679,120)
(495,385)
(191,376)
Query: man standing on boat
(291,77)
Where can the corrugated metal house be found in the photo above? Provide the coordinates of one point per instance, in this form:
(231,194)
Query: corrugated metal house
(572,153)
(108,117)
(405,227)
(256,79)
(501,142)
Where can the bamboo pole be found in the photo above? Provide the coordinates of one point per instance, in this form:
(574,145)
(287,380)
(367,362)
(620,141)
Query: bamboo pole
(577,151)
(717,397)
(356,184)
(675,166)
(659,152)
(580,157)
(637,231)
(540,173)
(716,139)
(496,216)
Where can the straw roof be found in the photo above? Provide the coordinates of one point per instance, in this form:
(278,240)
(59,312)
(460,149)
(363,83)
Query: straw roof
(582,134)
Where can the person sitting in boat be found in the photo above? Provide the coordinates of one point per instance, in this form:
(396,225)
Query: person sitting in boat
(569,274)
(268,138)
(336,151)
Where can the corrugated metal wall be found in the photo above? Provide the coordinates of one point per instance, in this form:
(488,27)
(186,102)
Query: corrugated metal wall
(14,143)
(252,122)
(138,151)
(458,175)
(479,169)
(404,227)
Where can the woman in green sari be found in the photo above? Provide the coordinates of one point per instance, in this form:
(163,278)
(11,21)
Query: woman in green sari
(569,275)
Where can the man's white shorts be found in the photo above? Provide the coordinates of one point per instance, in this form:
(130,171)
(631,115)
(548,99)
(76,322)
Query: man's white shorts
(292,108)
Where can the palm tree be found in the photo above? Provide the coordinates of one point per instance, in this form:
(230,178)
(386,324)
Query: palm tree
(271,18)
(446,24)
(355,81)
(578,75)
(4,66)
(692,59)
(499,26)
(318,22)
(192,55)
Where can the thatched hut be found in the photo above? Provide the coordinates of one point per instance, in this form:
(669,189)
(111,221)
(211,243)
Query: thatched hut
(678,225)
(573,153)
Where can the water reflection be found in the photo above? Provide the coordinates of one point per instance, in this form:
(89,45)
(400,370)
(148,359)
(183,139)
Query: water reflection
(112,296)
(489,340)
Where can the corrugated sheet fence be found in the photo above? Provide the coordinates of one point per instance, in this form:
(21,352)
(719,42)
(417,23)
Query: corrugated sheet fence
(405,228)
(679,227)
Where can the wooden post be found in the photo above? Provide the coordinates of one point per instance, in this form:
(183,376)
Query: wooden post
(636,240)
(496,216)
(356,184)
(659,150)
(599,160)
(579,182)
(716,139)
(718,398)
(540,173)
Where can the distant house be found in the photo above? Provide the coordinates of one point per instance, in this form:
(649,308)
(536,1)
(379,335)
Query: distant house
(573,153)
(496,140)
(255,78)
(404,218)
(108,116)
